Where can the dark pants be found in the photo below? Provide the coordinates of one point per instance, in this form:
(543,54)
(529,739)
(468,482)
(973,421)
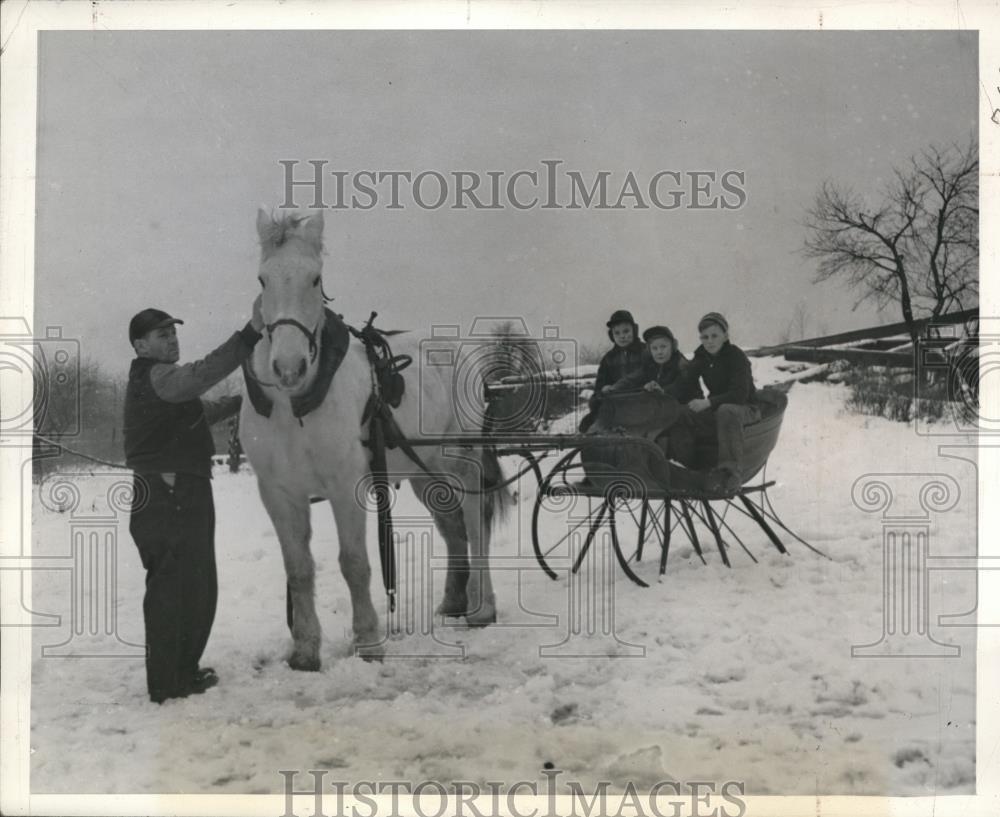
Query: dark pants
(726,423)
(680,440)
(175,533)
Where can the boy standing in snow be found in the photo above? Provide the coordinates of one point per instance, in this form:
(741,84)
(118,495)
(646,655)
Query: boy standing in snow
(731,402)
(169,447)
(624,358)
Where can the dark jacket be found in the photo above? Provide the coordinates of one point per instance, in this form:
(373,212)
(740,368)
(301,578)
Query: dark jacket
(727,376)
(618,362)
(166,424)
(668,375)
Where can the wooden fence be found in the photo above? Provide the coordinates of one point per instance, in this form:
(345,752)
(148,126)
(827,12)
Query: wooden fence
(889,345)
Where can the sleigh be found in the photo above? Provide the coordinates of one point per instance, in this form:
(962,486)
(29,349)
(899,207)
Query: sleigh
(621,478)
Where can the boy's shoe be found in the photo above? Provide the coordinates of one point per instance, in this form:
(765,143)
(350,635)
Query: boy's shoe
(724,481)
(203,679)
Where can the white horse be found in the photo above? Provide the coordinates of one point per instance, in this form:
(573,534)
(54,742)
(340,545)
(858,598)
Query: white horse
(323,456)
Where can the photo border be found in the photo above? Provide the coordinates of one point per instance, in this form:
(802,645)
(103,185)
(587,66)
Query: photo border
(21,24)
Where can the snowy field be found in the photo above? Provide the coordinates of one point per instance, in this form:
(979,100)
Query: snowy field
(712,674)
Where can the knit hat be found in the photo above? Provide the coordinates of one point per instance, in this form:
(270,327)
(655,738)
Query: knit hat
(716,318)
(621,316)
(659,332)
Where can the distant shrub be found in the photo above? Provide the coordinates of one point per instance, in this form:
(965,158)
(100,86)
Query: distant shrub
(589,354)
(893,394)
(84,417)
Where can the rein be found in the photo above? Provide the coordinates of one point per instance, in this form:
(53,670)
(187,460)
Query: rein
(387,391)
(383,431)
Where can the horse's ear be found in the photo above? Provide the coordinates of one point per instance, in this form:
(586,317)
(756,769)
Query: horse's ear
(312,230)
(266,228)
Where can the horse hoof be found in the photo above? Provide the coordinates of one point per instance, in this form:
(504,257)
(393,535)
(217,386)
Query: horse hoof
(482,618)
(304,663)
(481,621)
(452,607)
(370,653)
(484,613)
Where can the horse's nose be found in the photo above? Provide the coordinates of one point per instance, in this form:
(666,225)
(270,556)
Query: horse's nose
(290,376)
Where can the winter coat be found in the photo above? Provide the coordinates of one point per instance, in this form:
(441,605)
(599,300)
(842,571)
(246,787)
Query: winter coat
(667,375)
(615,365)
(727,376)
(166,424)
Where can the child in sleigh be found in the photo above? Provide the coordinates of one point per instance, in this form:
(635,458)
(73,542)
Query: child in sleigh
(661,367)
(731,404)
(624,358)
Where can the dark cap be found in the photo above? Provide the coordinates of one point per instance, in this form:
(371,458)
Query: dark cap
(147,321)
(658,332)
(620,316)
(716,318)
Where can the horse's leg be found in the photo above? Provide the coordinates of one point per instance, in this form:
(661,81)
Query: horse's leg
(451,525)
(481,600)
(290,516)
(350,518)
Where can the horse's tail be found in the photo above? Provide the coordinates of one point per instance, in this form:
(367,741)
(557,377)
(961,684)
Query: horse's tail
(496,498)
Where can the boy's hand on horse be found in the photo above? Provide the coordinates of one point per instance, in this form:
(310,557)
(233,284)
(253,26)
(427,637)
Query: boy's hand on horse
(257,319)
(699,404)
(653,386)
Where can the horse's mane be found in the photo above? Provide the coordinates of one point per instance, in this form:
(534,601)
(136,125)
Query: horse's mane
(286,225)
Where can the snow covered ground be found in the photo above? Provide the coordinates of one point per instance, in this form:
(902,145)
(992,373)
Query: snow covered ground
(712,674)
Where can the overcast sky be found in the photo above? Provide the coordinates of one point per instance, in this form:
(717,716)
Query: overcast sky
(156,148)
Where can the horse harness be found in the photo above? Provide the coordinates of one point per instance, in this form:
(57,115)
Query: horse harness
(388,387)
(331,348)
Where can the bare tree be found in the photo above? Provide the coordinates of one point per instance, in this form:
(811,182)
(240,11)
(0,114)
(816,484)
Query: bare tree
(918,248)
(800,320)
(82,411)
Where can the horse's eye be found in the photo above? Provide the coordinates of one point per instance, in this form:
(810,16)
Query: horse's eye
(261,281)
(316,281)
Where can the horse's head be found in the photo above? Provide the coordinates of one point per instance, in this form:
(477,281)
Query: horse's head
(292,299)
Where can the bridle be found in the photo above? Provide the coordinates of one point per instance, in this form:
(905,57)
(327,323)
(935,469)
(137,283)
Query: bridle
(310,336)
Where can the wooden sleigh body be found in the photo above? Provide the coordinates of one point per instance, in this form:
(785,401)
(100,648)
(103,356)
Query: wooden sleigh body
(621,479)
